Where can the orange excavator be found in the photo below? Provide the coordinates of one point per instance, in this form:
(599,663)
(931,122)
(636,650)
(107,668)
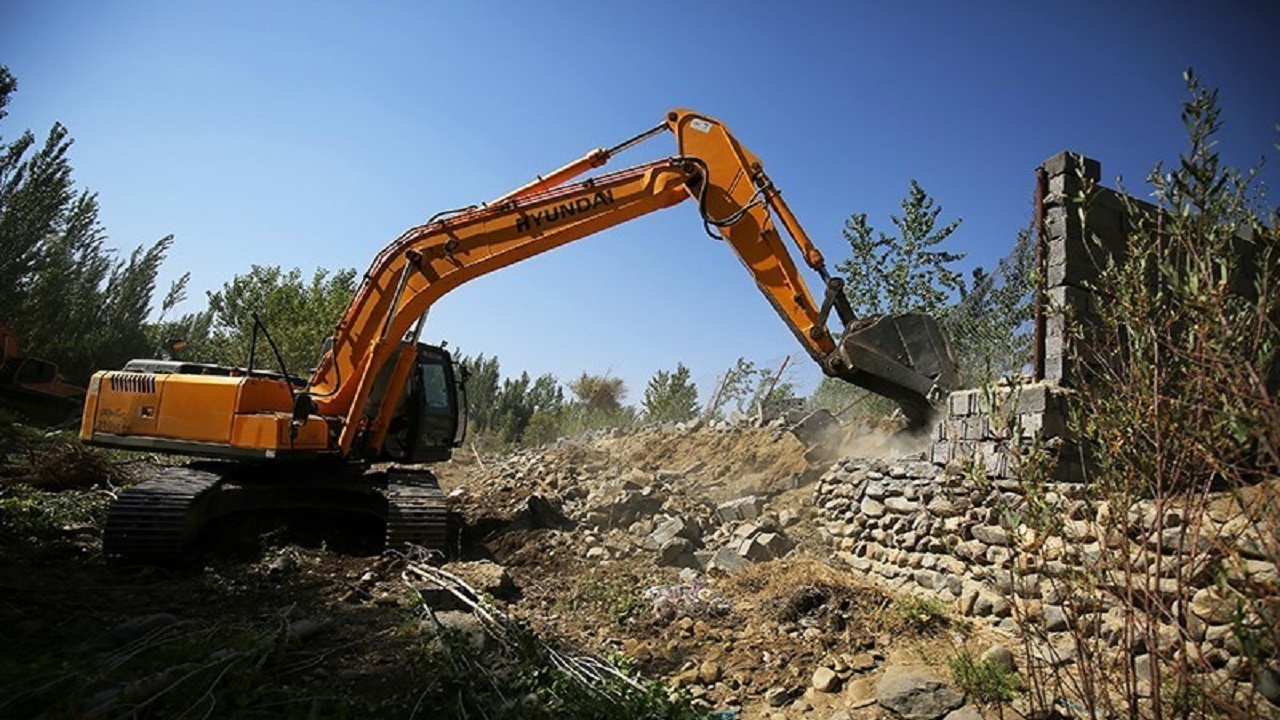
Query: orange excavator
(33,386)
(379,395)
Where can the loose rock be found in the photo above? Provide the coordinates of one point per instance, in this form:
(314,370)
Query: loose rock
(916,694)
(826,680)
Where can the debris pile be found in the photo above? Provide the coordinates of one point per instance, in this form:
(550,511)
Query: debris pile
(622,498)
(695,551)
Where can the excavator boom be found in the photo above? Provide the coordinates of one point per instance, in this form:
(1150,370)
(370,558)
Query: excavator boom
(350,403)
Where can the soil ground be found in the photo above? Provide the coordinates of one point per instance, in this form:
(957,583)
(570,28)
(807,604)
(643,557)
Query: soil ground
(727,639)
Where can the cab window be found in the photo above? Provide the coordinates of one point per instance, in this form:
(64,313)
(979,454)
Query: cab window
(435,388)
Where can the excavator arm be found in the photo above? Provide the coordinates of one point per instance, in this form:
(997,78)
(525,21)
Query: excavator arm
(903,357)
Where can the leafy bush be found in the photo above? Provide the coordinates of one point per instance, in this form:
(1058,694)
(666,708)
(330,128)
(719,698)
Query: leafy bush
(27,513)
(984,681)
(919,615)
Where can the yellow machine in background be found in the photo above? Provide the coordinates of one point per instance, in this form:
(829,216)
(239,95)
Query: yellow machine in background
(379,395)
(33,386)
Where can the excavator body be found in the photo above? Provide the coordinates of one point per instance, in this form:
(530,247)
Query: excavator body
(378,395)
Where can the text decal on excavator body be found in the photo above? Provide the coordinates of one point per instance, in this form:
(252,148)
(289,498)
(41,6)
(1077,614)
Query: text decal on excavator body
(564,210)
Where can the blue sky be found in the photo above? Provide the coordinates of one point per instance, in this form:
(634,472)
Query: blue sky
(312,133)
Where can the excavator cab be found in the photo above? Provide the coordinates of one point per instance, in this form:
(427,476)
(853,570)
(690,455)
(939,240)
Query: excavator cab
(430,416)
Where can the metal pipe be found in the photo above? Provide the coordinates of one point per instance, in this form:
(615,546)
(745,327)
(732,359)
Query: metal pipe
(812,256)
(410,259)
(253,341)
(628,144)
(590,161)
(1039,332)
(417,328)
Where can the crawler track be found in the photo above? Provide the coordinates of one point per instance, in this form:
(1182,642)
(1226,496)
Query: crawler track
(417,513)
(158,521)
(155,521)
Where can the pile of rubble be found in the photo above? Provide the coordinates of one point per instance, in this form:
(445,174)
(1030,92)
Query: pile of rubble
(686,515)
(696,551)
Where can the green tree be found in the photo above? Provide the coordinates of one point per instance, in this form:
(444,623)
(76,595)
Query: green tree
(521,400)
(513,409)
(8,84)
(484,382)
(745,387)
(599,393)
(170,337)
(546,423)
(597,404)
(734,388)
(64,292)
(545,395)
(888,274)
(517,410)
(671,396)
(299,314)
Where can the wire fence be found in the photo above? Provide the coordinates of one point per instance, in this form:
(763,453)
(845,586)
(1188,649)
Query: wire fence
(990,328)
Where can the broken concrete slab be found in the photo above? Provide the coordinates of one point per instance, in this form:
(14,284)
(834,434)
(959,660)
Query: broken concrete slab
(727,560)
(744,508)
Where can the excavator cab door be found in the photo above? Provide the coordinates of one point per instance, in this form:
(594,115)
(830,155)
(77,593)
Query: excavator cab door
(430,417)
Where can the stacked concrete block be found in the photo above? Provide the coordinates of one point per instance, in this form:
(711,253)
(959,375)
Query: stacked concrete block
(995,425)
(1086,228)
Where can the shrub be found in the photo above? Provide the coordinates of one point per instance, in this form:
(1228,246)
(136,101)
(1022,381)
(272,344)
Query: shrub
(919,615)
(984,681)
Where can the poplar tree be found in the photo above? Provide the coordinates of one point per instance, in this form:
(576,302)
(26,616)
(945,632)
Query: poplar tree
(67,295)
(671,396)
(903,273)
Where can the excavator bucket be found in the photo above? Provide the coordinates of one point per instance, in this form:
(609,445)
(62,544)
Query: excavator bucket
(902,357)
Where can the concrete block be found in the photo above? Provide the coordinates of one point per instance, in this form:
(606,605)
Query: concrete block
(1060,368)
(727,559)
(765,546)
(1032,398)
(1108,221)
(939,431)
(974,428)
(940,453)
(746,508)
(1073,163)
(1052,423)
(963,403)
(1081,243)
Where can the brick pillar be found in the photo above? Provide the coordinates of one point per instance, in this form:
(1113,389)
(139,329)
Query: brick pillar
(1085,229)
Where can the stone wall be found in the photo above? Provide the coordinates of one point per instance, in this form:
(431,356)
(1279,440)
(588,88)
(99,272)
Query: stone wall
(955,522)
(936,522)
(953,534)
